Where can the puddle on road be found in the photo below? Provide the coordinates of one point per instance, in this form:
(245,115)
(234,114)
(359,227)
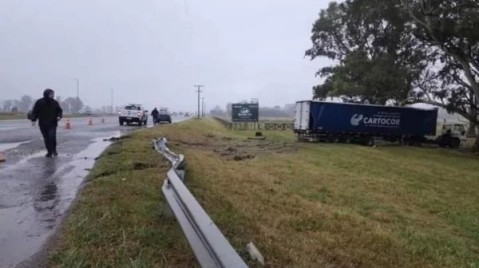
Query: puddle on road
(31,208)
(9,146)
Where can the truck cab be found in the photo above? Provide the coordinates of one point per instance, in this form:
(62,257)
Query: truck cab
(457,131)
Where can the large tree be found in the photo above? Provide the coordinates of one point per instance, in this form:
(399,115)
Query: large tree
(72,105)
(377,55)
(401,50)
(7,106)
(25,104)
(451,29)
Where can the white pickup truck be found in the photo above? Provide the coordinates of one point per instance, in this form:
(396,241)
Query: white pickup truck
(133,113)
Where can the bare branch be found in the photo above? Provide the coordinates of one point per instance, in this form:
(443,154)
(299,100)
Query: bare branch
(461,82)
(465,65)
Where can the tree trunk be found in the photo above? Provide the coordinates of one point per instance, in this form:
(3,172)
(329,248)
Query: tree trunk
(473,125)
(471,131)
(475,148)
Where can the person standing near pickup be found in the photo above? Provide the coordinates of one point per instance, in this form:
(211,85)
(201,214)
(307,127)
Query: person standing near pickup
(48,112)
(154,115)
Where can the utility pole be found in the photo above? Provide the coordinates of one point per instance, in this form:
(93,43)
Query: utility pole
(199,91)
(78,88)
(112,109)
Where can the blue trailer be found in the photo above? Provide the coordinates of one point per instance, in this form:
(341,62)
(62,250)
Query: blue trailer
(362,123)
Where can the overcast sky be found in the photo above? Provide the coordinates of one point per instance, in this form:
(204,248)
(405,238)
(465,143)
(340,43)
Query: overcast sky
(154,51)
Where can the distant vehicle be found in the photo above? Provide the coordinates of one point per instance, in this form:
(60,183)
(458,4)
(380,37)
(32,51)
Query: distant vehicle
(164,116)
(133,113)
(362,123)
(86,111)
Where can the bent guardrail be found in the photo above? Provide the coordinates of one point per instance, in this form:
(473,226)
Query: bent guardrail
(209,245)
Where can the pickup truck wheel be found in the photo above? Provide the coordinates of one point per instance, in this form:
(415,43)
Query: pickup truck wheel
(140,123)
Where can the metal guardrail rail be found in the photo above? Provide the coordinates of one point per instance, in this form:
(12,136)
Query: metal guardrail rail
(209,245)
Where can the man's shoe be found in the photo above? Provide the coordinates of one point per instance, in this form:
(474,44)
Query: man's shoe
(49,155)
(55,153)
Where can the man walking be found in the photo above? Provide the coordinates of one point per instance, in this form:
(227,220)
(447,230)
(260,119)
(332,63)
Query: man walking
(155,114)
(48,112)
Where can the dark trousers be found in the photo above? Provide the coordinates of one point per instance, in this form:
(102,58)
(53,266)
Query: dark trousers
(49,134)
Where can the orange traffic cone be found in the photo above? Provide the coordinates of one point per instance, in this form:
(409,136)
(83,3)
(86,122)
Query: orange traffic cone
(90,122)
(67,124)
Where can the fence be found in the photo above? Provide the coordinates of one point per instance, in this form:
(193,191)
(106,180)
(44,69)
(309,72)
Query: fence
(256,125)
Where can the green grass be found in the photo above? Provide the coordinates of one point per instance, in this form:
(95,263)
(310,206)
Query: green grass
(303,205)
(118,219)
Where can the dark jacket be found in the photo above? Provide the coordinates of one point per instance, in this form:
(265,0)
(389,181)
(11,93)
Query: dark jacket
(46,110)
(155,113)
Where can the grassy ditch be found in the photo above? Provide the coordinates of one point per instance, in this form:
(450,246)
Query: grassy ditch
(303,205)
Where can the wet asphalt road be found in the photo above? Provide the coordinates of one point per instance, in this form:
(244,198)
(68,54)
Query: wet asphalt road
(36,191)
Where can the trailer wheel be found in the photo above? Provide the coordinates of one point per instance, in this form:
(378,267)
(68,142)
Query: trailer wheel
(332,138)
(366,141)
(454,143)
(369,141)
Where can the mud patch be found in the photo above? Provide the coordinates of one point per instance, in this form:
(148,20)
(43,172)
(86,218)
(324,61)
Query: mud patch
(243,157)
(231,150)
(113,139)
(106,173)
(240,149)
(141,165)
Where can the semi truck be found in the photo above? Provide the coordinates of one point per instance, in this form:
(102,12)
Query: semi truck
(364,124)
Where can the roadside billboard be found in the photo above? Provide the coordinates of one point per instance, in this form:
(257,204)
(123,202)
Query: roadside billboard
(245,112)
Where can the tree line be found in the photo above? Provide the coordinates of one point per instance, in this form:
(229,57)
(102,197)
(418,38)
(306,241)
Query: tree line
(70,105)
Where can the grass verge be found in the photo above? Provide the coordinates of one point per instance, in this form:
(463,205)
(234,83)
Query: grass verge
(303,205)
(10,116)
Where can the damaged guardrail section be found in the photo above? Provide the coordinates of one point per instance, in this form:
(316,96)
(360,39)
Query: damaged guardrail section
(209,245)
